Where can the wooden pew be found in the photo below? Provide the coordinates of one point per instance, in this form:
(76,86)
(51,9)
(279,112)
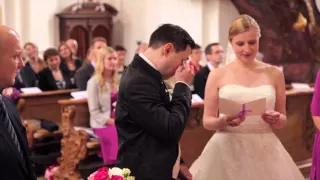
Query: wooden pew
(43,105)
(79,116)
(297,136)
(82,115)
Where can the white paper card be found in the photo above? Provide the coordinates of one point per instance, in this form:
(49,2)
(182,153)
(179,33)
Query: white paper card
(300,86)
(80,95)
(88,130)
(31,90)
(196,98)
(229,107)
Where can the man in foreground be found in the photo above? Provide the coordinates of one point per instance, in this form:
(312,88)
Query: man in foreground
(14,156)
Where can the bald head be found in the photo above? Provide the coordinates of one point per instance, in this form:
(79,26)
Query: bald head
(73,45)
(10,55)
(7,35)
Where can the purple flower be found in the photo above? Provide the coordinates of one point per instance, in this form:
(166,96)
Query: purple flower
(11,93)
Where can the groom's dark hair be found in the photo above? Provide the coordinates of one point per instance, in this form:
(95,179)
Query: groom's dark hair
(170,33)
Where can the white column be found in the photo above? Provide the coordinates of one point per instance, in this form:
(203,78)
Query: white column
(225,20)
(210,16)
(13,15)
(2,6)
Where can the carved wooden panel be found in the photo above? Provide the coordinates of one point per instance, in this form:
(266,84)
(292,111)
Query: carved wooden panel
(81,22)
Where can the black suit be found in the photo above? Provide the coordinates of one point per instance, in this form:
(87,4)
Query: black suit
(12,166)
(48,83)
(200,80)
(149,125)
(83,75)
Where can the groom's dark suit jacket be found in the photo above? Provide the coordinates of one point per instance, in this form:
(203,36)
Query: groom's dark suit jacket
(149,125)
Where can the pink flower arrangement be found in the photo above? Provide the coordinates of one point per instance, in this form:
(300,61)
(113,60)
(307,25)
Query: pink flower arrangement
(115,173)
(50,172)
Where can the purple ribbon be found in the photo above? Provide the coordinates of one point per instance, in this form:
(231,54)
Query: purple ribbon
(244,110)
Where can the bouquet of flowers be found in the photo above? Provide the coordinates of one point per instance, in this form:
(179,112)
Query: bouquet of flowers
(50,172)
(11,93)
(115,173)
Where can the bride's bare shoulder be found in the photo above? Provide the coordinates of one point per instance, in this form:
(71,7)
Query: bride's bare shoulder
(217,73)
(271,69)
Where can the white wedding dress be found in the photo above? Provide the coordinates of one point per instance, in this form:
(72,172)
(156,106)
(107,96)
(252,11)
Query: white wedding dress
(250,151)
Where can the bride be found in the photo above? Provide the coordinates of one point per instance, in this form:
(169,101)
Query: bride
(245,147)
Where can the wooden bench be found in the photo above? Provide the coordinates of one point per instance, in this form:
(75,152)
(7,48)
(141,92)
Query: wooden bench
(43,105)
(297,136)
(76,113)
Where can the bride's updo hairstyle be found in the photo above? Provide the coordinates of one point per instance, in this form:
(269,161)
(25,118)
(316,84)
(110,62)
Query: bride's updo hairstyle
(242,24)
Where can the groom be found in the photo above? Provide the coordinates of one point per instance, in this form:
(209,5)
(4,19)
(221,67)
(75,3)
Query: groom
(148,122)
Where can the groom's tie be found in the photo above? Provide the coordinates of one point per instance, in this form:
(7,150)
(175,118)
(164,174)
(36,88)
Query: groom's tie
(8,126)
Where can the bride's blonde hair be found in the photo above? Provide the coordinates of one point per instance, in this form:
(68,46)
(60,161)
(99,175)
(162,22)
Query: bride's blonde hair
(99,69)
(242,24)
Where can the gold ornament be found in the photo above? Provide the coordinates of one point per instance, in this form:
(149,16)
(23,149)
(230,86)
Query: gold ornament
(301,23)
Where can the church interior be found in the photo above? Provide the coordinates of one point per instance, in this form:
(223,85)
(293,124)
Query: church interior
(56,116)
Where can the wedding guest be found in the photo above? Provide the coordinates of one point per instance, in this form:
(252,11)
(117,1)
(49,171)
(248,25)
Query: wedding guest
(86,71)
(121,51)
(68,62)
(73,45)
(195,58)
(34,64)
(214,55)
(315,110)
(53,77)
(142,47)
(32,57)
(102,95)
(14,152)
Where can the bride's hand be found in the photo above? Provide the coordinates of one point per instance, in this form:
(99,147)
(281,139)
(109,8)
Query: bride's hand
(271,117)
(234,121)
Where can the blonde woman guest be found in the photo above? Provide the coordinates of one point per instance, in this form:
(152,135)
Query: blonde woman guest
(33,60)
(245,147)
(102,95)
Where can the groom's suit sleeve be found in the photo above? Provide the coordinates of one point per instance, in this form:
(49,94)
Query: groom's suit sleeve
(146,107)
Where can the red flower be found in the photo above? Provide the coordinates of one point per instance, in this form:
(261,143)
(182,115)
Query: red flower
(103,169)
(115,177)
(102,174)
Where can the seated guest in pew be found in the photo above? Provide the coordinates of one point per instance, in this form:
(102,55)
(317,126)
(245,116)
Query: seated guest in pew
(32,58)
(34,64)
(214,55)
(68,62)
(121,52)
(102,95)
(315,110)
(73,45)
(142,47)
(53,77)
(86,71)
(195,58)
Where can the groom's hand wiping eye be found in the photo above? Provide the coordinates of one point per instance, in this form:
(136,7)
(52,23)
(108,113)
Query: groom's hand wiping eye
(184,73)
